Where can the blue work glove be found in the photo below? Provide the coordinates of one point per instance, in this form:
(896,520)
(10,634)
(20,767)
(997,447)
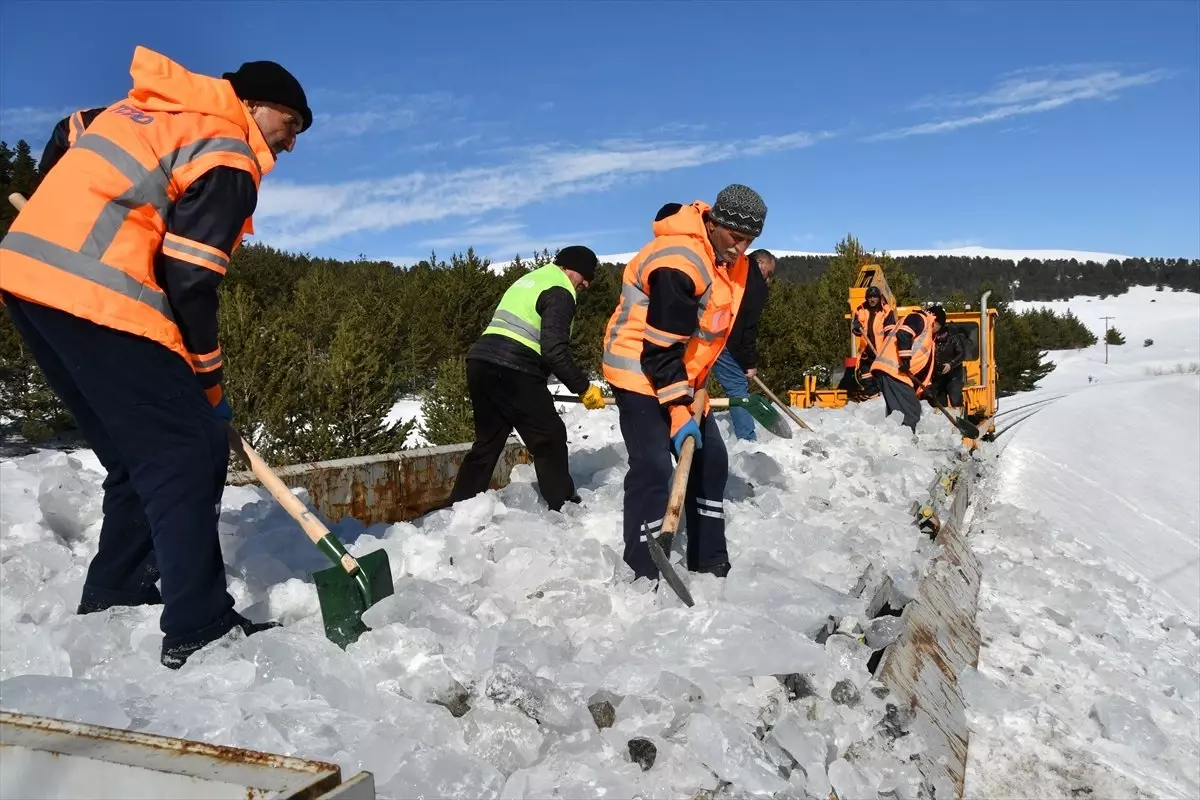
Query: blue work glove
(683,425)
(223,410)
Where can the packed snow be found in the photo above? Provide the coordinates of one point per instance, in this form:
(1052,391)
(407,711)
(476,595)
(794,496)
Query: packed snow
(517,657)
(1089,534)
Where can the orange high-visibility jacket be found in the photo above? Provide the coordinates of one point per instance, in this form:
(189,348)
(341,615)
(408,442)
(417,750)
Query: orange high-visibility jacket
(65,134)
(874,327)
(680,242)
(911,339)
(87,240)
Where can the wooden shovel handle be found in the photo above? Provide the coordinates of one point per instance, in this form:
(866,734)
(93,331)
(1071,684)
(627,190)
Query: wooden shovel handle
(279,490)
(679,480)
(17,199)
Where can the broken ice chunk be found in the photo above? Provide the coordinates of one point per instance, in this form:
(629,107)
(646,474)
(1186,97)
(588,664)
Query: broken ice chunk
(727,747)
(1125,722)
(70,699)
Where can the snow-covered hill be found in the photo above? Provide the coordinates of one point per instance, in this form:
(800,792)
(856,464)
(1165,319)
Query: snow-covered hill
(1086,640)
(970,251)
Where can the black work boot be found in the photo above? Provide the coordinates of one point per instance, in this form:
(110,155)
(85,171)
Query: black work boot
(720,570)
(177,655)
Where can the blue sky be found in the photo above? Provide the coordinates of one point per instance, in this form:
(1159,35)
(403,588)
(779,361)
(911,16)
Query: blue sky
(514,126)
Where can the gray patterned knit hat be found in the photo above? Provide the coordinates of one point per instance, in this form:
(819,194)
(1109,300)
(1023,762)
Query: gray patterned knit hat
(740,208)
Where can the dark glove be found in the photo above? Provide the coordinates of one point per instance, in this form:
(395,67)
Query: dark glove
(905,365)
(856,328)
(223,410)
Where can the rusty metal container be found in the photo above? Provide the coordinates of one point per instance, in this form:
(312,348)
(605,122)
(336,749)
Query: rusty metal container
(51,759)
(390,487)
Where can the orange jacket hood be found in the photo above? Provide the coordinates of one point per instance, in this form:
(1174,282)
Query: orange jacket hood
(688,221)
(160,84)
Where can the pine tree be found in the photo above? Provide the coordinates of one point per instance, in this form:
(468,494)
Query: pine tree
(1113,336)
(446,409)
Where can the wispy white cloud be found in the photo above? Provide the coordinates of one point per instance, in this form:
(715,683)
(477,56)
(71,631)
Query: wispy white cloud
(292,215)
(1027,91)
(504,239)
(339,115)
(32,123)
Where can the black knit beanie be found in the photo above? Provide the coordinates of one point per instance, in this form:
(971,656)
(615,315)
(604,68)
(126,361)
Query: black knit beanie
(267,81)
(578,259)
(740,208)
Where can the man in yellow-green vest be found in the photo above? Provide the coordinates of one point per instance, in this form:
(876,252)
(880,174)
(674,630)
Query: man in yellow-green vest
(508,368)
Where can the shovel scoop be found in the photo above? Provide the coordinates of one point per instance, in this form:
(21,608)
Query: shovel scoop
(344,590)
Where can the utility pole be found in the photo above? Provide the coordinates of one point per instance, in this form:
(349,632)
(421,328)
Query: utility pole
(1106,319)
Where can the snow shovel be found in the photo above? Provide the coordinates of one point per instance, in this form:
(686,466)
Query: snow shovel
(345,590)
(760,409)
(679,482)
(965,426)
(786,410)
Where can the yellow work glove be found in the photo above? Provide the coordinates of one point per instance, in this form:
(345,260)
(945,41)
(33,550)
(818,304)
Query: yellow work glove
(592,398)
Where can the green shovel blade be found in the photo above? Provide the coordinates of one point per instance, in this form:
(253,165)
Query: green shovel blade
(341,597)
(764,413)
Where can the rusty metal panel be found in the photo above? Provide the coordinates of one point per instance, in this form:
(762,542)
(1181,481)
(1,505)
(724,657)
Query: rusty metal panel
(390,487)
(52,758)
(940,639)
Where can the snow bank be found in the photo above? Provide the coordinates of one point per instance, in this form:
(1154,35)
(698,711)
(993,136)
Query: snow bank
(1089,674)
(517,658)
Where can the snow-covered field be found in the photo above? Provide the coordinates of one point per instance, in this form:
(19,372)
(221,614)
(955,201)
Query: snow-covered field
(1088,681)
(530,617)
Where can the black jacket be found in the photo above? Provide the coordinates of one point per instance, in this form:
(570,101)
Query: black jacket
(951,350)
(60,140)
(743,339)
(557,308)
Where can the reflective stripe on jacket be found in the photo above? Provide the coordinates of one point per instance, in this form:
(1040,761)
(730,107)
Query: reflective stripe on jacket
(516,315)
(680,243)
(87,240)
(907,342)
(874,326)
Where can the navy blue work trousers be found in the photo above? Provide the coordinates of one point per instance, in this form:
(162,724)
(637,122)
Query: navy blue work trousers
(646,429)
(142,411)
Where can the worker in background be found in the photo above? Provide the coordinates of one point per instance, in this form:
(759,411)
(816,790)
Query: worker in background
(65,134)
(905,364)
(679,298)
(527,339)
(737,363)
(110,275)
(950,347)
(873,320)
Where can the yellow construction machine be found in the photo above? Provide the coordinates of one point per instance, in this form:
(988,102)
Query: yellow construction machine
(979,332)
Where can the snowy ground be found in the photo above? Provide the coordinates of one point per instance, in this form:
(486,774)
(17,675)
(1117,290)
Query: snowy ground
(1088,682)
(527,615)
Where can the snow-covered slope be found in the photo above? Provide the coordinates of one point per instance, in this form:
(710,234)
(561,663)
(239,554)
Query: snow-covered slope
(1088,681)
(531,611)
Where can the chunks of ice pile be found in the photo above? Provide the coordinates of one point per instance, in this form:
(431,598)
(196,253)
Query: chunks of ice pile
(510,625)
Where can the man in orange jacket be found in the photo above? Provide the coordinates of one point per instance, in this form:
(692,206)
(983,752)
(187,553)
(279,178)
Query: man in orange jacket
(905,364)
(110,275)
(679,297)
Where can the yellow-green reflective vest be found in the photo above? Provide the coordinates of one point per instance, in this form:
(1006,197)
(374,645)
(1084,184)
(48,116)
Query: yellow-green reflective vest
(516,316)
